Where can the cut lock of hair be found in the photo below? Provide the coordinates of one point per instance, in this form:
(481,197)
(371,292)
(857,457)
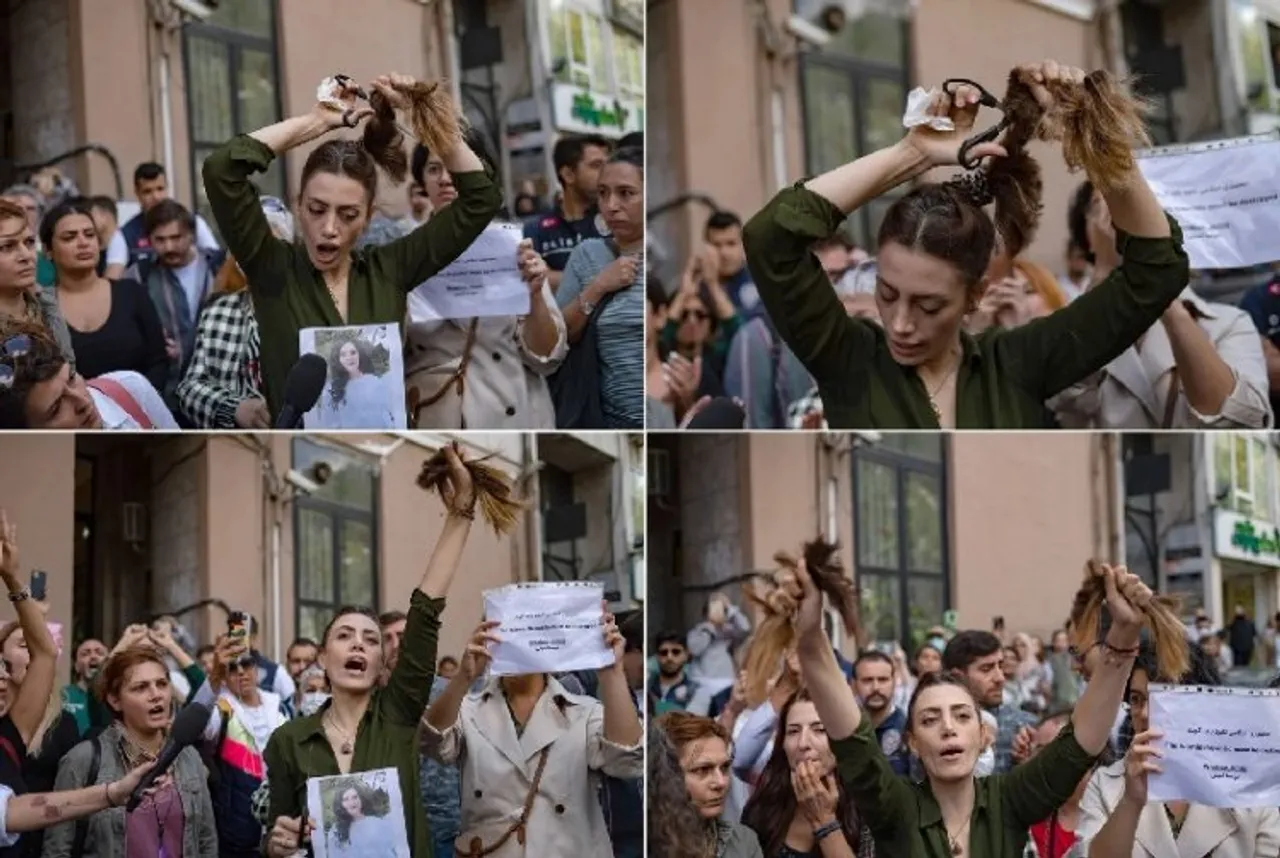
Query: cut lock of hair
(775,634)
(1098,122)
(1162,618)
(433,117)
(493,491)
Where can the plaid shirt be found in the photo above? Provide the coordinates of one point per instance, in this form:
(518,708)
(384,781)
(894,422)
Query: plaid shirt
(1010,720)
(224,366)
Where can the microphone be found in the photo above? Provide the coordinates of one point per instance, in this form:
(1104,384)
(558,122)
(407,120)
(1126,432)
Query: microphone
(188,727)
(301,390)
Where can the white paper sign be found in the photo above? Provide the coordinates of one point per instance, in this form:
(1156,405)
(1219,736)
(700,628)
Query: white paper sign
(1221,745)
(359,815)
(364,388)
(484,281)
(1225,196)
(547,628)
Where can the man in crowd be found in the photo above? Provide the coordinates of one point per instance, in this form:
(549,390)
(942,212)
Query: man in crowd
(179,277)
(151,187)
(270,676)
(302,653)
(578,161)
(446,667)
(723,233)
(1243,636)
(392,623)
(671,689)
(89,656)
(977,655)
(873,682)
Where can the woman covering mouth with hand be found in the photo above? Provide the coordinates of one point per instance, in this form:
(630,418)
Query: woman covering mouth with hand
(323,281)
(363,727)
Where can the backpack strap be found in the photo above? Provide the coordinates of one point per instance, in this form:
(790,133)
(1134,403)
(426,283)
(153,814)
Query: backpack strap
(119,394)
(82,825)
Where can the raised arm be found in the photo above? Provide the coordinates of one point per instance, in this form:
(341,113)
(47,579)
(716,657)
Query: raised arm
(28,709)
(405,698)
(1225,381)
(622,727)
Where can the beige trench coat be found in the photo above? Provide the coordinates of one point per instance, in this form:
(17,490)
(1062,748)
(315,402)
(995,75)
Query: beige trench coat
(1207,832)
(498,769)
(505,385)
(1132,391)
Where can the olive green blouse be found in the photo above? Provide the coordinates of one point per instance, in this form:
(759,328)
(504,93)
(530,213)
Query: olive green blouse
(289,294)
(1005,376)
(905,819)
(386,737)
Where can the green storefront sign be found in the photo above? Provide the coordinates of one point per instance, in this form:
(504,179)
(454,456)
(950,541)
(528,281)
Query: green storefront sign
(600,114)
(1262,543)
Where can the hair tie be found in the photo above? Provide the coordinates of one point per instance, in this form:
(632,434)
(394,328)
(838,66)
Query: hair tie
(974,187)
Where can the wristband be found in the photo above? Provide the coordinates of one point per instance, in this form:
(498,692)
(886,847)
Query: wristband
(825,831)
(20,596)
(1122,652)
(106,790)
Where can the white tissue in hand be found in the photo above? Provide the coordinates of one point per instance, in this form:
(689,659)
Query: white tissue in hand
(918,112)
(330,93)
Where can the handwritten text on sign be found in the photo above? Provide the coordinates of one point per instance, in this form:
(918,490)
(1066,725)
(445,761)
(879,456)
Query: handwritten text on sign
(1225,196)
(1221,745)
(547,628)
(484,281)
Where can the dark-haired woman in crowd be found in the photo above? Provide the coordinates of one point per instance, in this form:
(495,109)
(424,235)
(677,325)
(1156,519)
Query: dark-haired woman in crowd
(20,300)
(953,812)
(485,372)
(365,727)
(356,396)
(604,279)
(322,282)
(799,807)
(921,370)
(114,325)
(1116,820)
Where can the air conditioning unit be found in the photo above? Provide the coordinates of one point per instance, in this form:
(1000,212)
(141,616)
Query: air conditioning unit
(133,522)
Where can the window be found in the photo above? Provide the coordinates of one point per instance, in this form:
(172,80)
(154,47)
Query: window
(232,82)
(335,538)
(578,55)
(1244,475)
(852,94)
(900,537)
(1256,48)
(628,60)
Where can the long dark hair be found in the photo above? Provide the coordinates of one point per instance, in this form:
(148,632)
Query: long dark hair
(772,805)
(368,806)
(338,375)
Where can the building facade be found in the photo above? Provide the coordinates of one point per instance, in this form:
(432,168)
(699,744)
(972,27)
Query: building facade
(291,528)
(145,83)
(958,529)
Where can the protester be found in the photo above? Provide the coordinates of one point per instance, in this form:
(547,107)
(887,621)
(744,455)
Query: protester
(977,657)
(935,243)
(602,292)
(671,687)
(114,325)
(702,321)
(20,300)
(942,814)
(319,282)
(33,206)
(1018,292)
(561,738)
(579,161)
(483,372)
(712,642)
(873,684)
(1116,818)
(1201,367)
(20,814)
(89,656)
(689,770)
(364,727)
(1056,837)
(799,806)
(150,188)
(176,818)
(114,257)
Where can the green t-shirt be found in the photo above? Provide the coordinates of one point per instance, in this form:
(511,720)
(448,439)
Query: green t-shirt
(45,274)
(75,702)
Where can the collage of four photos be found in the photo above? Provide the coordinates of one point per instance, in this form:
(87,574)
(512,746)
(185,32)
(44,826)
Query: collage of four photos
(620,428)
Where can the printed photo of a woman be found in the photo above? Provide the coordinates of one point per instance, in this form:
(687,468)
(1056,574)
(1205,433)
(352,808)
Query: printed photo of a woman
(356,396)
(361,827)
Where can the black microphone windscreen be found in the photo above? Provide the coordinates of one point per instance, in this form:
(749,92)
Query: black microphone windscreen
(305,382)
(719,413)
(189,724)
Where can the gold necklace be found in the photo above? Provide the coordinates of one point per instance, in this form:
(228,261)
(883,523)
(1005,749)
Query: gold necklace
(956,848)
(347,747)
(933,402)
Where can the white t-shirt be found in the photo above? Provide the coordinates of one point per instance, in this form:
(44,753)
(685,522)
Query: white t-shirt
(148,399)
(6,839)
(261,720)
(117,250)
(204,236)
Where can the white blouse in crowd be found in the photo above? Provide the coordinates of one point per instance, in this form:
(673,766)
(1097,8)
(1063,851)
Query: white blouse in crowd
(148,399)
(498,768)
(1207,832)
(1132,391)
(505,386)
(6,839)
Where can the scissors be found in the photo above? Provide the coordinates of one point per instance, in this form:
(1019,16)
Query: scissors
(345,80)
(986,99)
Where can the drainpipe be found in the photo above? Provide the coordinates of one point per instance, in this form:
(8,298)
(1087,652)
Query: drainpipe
(541,83)
(452,65)
(166,113)
(1230,110)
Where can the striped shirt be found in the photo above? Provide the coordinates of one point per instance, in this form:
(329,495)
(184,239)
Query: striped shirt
(620,333)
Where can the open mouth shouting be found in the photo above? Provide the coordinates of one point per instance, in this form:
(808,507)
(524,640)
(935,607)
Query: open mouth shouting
(356,665)
(326,252)
(158,714)
(952,753)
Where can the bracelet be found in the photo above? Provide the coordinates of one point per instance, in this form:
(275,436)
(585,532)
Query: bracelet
(826,831)
(1121,652)
(20,596)
(106,790)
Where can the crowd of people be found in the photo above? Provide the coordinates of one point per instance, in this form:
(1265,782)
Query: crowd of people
(980,743)
(520,765)
(950,324)
(163,322)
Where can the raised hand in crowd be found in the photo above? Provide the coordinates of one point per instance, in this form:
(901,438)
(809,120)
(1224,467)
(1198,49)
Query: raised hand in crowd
(533,268)
(477,655)
(137,634)
(29,694)
(459,493)
(1141,760)
(816,794)
(1023,745)
(682,377)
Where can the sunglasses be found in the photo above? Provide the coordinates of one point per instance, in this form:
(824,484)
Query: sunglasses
(12,349)
(242,664)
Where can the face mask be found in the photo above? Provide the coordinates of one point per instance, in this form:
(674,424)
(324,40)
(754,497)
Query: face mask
(312,701)
(986,763)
